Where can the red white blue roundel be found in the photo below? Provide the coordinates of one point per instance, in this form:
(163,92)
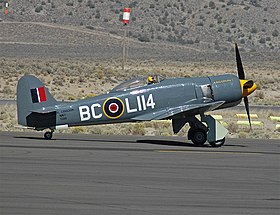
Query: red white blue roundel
(113,108)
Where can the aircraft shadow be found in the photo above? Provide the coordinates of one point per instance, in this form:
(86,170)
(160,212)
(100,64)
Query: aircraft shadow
(169,143)
(145,141)
(75,139)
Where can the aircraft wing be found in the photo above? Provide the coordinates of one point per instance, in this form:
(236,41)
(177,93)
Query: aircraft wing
(181,110)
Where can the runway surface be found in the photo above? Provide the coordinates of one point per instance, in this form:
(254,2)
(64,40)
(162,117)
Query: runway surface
(88,174)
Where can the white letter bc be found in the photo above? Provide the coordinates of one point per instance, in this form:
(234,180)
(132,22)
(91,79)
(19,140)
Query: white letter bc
(84,113)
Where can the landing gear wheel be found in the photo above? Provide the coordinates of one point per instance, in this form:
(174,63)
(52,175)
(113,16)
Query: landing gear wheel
(48,135)
(218,143)
(197,136)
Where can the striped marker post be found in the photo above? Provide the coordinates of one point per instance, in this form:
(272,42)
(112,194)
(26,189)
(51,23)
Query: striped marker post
(126,15)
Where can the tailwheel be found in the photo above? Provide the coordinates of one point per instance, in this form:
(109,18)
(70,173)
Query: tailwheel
(197,136)
(48,135)
(218,143)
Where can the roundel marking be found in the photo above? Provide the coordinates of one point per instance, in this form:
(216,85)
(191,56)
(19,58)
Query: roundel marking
(113,108)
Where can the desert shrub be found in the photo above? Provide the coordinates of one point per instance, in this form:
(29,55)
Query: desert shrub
(242,41)
(90,27)
(97,16)
(79,130)
(275,33)
(144,38)
(171,38)
(212,5)
(197,40)
(81,79)
(38,9)
(255,3)
(262,40)
(70,3)
(90,4)
(190,41)
(7,90)
(242,135)
(232,127)
(138,129)
(259,94)
(254,30)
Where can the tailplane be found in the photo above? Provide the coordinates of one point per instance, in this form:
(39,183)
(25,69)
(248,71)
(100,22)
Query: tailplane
(33,98)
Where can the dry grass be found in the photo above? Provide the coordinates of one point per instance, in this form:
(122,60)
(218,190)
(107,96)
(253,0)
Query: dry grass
(75,79)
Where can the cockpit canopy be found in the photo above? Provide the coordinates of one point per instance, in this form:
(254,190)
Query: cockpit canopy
(135,83)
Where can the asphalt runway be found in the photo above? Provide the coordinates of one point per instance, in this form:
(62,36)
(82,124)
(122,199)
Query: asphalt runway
(90,174)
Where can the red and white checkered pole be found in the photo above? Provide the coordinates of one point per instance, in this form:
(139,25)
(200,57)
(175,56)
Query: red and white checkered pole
(6,5)
(126,15)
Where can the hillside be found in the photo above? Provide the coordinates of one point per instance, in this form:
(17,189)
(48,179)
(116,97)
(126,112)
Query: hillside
(208,26)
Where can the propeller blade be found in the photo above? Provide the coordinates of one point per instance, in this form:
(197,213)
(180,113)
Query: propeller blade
(240,69)
(246,102)
(248,84)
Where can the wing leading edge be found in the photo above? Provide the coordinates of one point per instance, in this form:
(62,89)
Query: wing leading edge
(189,109)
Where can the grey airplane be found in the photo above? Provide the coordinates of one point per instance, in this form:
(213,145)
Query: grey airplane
(182,100)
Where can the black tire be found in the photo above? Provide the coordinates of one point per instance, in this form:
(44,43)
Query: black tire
(190,133)
(218,143)
(48,135)
(197,136)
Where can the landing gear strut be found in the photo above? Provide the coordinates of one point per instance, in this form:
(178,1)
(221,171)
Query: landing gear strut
(48,135)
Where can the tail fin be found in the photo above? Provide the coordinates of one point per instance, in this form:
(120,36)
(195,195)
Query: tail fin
(31,96)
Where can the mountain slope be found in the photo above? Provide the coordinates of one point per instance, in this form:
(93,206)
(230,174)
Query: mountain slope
(204,25)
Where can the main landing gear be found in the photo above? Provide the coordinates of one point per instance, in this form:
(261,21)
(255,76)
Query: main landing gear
(211,130)
(199,138)
(48,135)
(214,133)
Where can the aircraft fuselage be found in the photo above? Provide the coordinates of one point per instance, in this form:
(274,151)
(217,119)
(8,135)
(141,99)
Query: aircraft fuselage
(124,106)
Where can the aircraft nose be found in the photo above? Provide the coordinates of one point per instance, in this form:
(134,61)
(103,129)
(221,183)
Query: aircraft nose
(248,87)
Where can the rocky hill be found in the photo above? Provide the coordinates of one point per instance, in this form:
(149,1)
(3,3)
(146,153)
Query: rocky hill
(205,25)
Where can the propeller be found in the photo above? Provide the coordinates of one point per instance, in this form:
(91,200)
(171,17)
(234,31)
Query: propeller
(240,70)
(247,85)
